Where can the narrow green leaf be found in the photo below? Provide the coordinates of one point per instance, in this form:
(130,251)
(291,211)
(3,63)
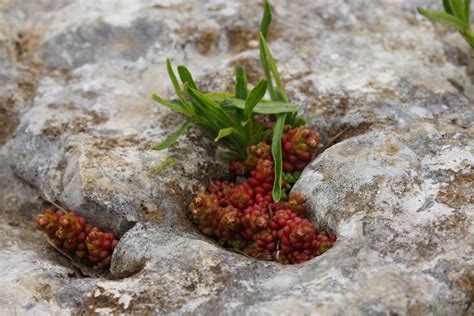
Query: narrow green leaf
(224,133)
(214,113)
(173,78)
(257,93)
(170,140)
(266,71)
(469,37)
(186,76)
(443,18)
(240,83)
(273,69)
(172,105)
(277,156)
(219,95)
(298,121)
(177,88)
(266,19)
(467,13)
(211,108)
(230,155)
(447,7)
(262,107)
(458,10)
(264,27)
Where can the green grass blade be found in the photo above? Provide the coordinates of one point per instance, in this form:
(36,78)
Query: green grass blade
(443,18)
(174,106)
(241,91)
(274,70)
(177,87)
(266,71)
(230,155)
(173,79)
(214,113)
(170,140)
(447,7)
(266,19)
(277,156)
(211,108)
(467,13)
(186,76)
(458,10)
(264,27)
(219,95)
(224,133)
(254,97)
(262,107)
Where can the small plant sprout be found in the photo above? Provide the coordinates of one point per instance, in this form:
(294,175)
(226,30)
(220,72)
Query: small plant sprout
(231,117)
(456,15)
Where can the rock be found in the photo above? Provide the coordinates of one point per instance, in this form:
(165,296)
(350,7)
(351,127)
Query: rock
(393,178)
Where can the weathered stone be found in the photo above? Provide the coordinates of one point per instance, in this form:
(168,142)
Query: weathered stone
(393,180)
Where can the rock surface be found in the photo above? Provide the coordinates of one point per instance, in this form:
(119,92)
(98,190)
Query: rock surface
(394,177)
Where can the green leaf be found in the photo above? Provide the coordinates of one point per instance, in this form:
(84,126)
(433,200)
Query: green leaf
(224,133)
(262,107)
(170,140)
(216,116)
(458,10)
(273,68)
(231,155)
(266,72)
(211,108)
(186,76)
(266,19)
(298,121)
(173,79)
(240,83)
(467,13)
(172,105)
(443,18)
(447,7)
(254,97)
(264,27)
(177,88)
(219,95)
(277,156)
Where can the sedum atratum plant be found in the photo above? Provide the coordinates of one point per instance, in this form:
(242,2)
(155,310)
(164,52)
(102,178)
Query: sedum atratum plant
(268,147)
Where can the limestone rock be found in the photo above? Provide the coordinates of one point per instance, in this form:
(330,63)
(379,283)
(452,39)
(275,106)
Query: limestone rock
(393,178)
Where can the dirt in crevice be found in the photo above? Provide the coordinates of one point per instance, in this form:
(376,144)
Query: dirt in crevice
(241,38)
(340,133)
(54,129)
(207,41)
(24,45)
(8,119)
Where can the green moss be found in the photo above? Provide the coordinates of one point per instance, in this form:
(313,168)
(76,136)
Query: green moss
(167,163)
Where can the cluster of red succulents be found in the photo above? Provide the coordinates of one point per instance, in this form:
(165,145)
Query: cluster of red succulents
(243,215)
(72,233)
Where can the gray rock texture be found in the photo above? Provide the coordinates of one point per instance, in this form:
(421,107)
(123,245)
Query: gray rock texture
(394,178)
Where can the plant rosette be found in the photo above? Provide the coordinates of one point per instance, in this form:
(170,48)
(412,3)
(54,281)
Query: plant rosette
(73,234)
